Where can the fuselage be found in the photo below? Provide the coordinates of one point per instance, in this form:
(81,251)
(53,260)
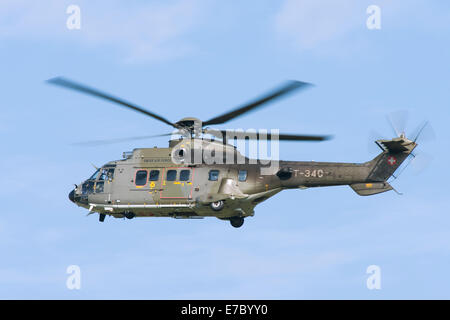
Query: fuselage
(147,182)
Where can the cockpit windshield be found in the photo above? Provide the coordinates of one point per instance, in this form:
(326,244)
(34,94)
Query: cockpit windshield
(94,176)
(96,183)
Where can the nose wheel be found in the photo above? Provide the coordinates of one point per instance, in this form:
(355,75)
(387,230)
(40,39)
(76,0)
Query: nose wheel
(101,217)
(237,222)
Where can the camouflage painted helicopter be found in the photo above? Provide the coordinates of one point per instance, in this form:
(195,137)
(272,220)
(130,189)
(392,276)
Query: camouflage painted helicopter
(165,182)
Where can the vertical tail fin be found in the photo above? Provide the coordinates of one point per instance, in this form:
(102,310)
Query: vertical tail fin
(395,151)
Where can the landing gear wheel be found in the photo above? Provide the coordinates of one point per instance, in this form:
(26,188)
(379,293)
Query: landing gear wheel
(218,205)
(101,217)
(237,222)
(129,215)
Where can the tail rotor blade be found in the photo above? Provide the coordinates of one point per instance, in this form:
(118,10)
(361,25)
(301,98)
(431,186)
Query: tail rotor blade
(421,162)
(372,147)
(398,121)
(424,132)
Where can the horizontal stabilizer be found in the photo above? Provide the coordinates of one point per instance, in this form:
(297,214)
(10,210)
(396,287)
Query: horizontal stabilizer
(397,145)
(368,189)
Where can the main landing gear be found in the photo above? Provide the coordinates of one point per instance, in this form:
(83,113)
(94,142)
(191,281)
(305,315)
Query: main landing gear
(218,205)
(129,215)
(237,222)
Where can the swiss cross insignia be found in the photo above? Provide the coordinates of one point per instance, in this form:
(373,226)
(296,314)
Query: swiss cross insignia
(391,160)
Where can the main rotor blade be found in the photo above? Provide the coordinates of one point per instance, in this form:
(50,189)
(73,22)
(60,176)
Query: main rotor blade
(68,84)
(295,137)
(95,143)
(288,87)
(283,137)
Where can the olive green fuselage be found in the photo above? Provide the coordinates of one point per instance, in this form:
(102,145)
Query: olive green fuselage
(148,183)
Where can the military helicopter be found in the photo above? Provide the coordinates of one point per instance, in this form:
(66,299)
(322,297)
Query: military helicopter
(167,182)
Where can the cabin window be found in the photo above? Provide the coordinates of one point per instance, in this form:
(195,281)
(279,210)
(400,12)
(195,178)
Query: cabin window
(242,175)
(184,175)
(154,175)
(214,175)
(171,175)
(141,177)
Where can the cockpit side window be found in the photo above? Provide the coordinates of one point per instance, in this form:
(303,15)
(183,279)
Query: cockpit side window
(99,187)
(107,174)
(110,174)
(103,175)
(87,187)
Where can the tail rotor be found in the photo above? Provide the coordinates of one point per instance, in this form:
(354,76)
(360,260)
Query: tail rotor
(398,120)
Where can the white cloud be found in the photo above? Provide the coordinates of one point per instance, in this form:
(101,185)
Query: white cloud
(151,31)
(313,24)
(309,23)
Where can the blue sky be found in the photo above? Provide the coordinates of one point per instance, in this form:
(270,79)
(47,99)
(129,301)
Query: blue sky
(200,58)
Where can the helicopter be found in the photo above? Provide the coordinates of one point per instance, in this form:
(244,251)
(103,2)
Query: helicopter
(196,177)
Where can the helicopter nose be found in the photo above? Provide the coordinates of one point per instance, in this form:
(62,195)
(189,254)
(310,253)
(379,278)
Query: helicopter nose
(72,196)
